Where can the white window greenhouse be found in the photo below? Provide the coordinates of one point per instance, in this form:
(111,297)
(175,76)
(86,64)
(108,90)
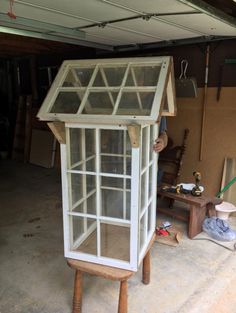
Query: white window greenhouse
(109,111)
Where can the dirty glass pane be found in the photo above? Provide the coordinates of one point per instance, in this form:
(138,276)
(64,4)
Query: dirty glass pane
(115,242)
(84,227)
(100,103)
(143,76)
(78,77)
(67,102)
(135,103)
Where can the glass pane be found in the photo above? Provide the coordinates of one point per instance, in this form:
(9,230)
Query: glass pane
(112,203)
(115,242)
(78,77)
(115,182)
(112,141)
(143,76)
(113,76)
(90,150)
(82,158)
(67,102)
(115,165)
(152,139)
(142,232)
(150,182)
(76,188)
(145,140)
(84,235)
(100,103)
(90,142)
(135,103)
(77,183)
(87,206)
(75,148)
(150,218)
(143,191)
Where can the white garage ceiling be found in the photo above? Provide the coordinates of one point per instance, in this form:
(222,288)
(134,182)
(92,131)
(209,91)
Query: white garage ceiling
(109,24)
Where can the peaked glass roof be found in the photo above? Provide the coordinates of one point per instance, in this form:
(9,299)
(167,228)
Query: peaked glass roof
(111,91)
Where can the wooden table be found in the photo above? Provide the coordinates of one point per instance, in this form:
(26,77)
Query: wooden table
(198,209)
(109,273)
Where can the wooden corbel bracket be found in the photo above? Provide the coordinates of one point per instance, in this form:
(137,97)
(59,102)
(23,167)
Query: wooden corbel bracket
(134,135)
(58,130)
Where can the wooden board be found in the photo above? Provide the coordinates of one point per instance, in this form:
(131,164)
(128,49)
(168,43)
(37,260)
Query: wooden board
(228,174)
(42,148)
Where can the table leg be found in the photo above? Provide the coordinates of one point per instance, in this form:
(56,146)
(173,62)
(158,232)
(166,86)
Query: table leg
(197,216)
(123,297)
(146,268)
(77,299)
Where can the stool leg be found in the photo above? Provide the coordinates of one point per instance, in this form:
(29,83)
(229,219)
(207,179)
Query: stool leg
(146,268)
(77,299)
(123,297)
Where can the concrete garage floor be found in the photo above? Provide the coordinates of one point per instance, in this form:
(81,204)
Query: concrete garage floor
(195,277)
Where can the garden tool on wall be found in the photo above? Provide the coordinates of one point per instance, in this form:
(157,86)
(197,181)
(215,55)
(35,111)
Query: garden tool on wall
(186,87)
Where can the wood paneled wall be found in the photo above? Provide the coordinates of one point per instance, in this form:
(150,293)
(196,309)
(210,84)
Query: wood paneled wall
(219,135)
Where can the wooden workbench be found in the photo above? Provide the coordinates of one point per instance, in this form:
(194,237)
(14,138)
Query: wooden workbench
(198,208)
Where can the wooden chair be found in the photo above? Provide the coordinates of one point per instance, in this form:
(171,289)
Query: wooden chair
(171,160)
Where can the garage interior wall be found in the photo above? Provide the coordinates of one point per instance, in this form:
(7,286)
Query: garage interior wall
(219,134)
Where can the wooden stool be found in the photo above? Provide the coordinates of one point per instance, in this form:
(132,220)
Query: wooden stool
(198,208)
(109,273)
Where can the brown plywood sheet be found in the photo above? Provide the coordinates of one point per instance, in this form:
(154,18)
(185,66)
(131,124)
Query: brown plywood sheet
(42,148)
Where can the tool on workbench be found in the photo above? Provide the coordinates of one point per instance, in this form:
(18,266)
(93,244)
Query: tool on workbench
(197,191)
(186,87)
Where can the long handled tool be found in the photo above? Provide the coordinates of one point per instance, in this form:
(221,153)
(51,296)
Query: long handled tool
(204,102)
